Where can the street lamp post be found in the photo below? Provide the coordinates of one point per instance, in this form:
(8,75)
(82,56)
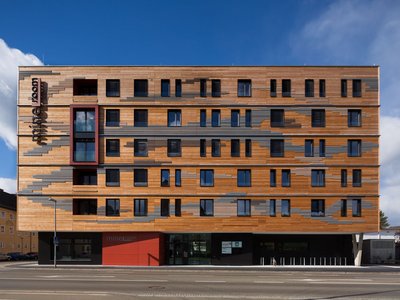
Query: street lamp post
(55,232)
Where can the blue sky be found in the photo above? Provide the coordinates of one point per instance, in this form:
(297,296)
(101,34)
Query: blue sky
(311,32)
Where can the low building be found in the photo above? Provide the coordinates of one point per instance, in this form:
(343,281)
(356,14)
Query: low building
(382,247)
(12,240)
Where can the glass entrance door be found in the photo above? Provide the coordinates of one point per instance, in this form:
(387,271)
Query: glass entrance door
(189,249)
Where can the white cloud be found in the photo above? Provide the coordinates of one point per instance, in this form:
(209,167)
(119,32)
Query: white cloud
(364,33)
(10,59)
(8,185)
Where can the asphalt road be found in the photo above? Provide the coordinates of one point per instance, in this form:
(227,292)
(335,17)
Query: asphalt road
(17,282)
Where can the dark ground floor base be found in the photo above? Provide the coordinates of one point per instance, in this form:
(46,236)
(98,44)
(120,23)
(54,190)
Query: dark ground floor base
(155,248)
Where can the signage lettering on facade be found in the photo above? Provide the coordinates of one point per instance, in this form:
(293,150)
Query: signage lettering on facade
(37,116)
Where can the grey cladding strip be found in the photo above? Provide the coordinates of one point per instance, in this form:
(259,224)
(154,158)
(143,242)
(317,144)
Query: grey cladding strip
(40,150)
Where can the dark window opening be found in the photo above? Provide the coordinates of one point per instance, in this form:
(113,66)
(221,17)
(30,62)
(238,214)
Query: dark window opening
(140,148)
(321,148)
(356,87)
(309,148)
(354,117)
(112,87)
(84,121)
(343,208)
(203,87)
(318,208)
(206,207)
(322,88)
(248,118)
(112,147)
(165,88)
(317,178)
(174,147)
(273,88)
(343,87)
(84,177)
(243,178)
(178,207)
(244,88)
(112,207)
(356,207)
(112,177)
(272,178)
(215,118)
(309,88)
(203,118)
(272,208)
(112,117)
(235,148)
(140,88)
(140,207)
(216,88)
(243,208)
(285,208)
(140,118)
(85,87)
(285,178)
(174,118)
(277,148)
(84,150)
(85,206)
(343,178)
(286,88)
(215,148)
(203,148)
(206,177)
(178,177)
(140,177)
(354,148)
(178,88)
(165,177)
(318,117)
(277,118)
(248,148)
(165,207)
(235,118)
(357,178)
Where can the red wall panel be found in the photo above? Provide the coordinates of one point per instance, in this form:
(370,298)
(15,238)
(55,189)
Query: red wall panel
(133,248)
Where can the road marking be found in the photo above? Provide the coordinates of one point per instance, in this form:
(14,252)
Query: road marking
(59,293)
(83,279)
(354,283)
(210,281)
(266,281)
(74,276)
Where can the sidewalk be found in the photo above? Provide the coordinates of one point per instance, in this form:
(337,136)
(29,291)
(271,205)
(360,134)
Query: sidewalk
(371,268)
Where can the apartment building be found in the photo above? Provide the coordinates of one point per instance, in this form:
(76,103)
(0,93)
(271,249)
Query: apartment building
(152,165)
(12,240)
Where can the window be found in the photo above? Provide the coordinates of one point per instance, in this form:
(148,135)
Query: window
(317,178)
(244,88)
(84,120)
(235,118)
(356,207)
(165,88)
(273,88)
(235,148)
(203,88)
(140,147)
(112,117)
(112,147)
(272,178)
(248,148)
(285,178)
(140,88)
(178,177)
(356,87)
(178,88)
(140,118)
(203,118)
(248,118)
(140,207)
(356,177)
(112,177)
(84,151)
(272,208)
(318,208)
(215,148)
(286,88)
(165,178)
(174,118)
(318,117)
(277,117)
(309,148)
(215,118)
(85,177)
(216,88)
(206,207)
(84,206)
(112,87)
(354,148)
(343,178)
(112,207)
(2,228)
(203,148)
(343,87)
(309,88)
(174,147)
(206,177)
(343,208)
(285,208)
(322,88)
(354,117)
(85,87)
(243,178)
(321,148)
(165,207)
(243,208)
(277,148)
(140,177)
(178,207)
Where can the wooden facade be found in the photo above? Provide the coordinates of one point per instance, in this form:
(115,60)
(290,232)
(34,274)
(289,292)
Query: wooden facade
(46,169)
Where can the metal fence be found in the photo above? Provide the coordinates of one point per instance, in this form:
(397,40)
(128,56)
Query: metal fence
(304,261)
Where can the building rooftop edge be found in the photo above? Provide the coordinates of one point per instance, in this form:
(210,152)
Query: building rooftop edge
(205,66)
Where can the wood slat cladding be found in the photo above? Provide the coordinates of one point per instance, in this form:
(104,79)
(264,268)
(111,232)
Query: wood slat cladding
(45,170)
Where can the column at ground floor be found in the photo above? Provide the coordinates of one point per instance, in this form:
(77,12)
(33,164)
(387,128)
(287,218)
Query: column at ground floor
(156,248)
